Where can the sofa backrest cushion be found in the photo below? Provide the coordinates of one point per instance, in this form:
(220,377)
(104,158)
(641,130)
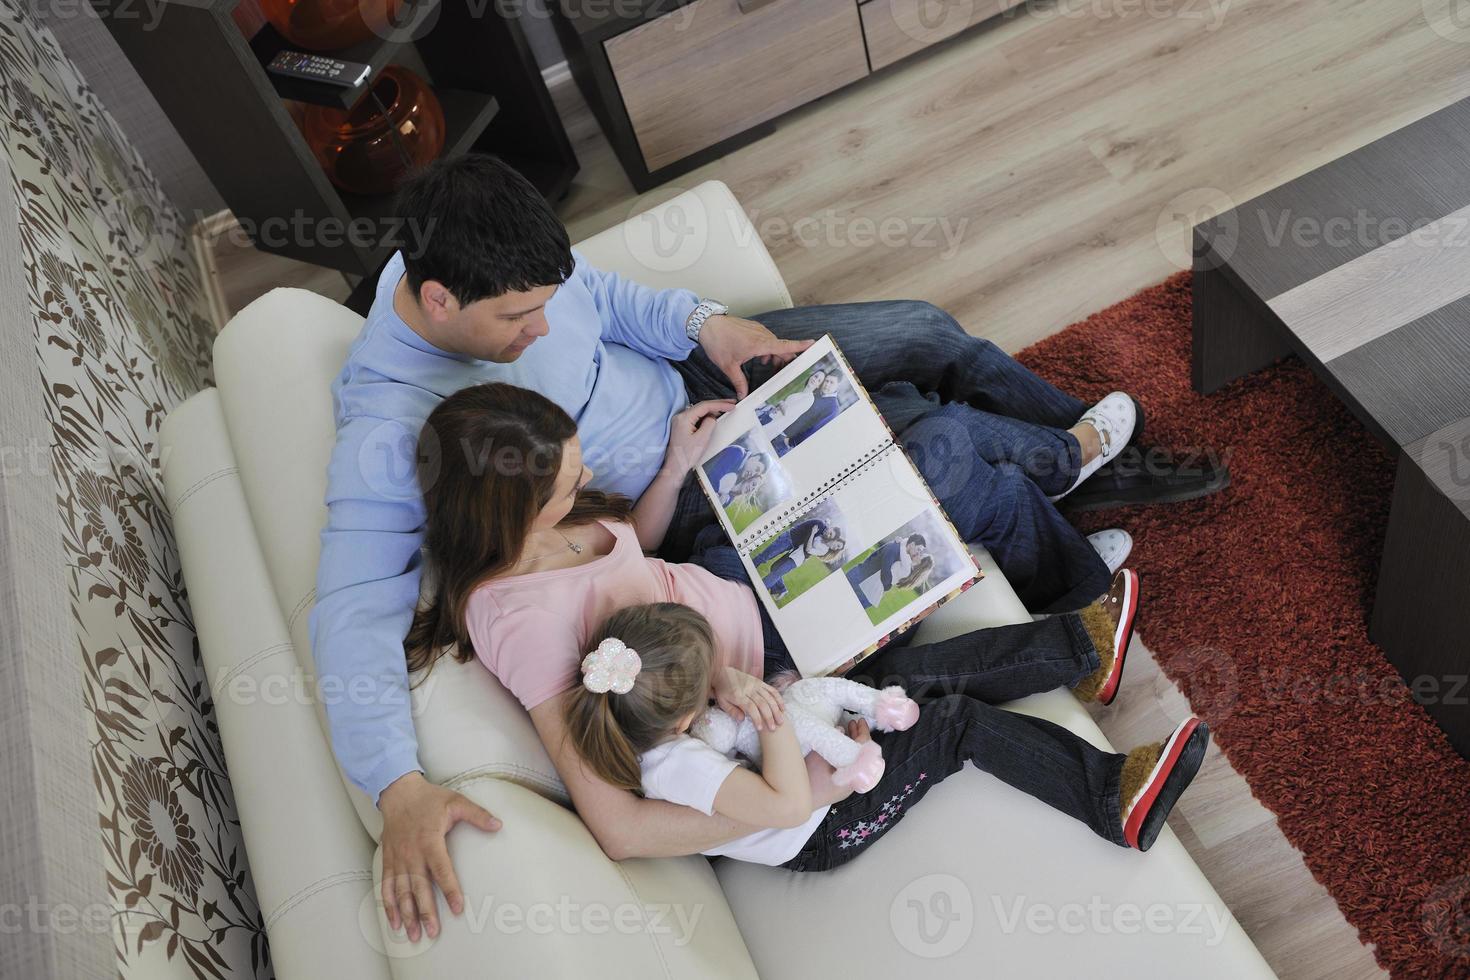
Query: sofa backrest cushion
(275,363)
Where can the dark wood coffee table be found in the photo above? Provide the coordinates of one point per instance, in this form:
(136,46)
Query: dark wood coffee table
(1362,269)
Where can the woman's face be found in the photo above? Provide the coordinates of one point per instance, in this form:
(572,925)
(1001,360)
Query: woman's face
(572,477)
(815,379)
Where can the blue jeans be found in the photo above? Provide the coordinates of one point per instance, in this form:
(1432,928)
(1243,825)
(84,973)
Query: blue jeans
(988,435)
(958,682)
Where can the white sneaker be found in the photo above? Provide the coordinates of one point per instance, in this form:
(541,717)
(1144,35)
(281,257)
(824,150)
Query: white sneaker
(1114,418)
(1113,546)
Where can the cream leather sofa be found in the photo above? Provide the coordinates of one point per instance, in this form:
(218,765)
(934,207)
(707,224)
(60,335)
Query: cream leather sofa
(979,881)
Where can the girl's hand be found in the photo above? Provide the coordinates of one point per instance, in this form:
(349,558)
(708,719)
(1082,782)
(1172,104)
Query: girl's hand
(742,695)
(689,434)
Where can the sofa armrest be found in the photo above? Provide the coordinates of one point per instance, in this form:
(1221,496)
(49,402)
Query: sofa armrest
(700,240)
(542,900)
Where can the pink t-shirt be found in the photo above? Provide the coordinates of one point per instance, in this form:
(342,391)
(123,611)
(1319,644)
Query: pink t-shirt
(531,630)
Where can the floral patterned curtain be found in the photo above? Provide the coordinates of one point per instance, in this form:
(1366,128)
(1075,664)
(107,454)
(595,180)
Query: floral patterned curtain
(123,335)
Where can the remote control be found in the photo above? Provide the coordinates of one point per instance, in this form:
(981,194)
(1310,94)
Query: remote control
(315,68)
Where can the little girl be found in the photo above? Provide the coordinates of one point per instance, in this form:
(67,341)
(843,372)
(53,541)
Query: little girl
(531,564)
(646,679)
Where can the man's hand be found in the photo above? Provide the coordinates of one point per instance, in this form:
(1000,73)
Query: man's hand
(730,341)
(824,791)
(416,817)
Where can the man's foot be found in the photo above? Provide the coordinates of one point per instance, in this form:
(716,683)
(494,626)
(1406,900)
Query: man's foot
(1109,624)
(1112,421)
(1113,546)
(1155,776)
(1148,476)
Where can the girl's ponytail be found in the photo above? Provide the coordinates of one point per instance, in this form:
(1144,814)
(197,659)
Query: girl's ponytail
(610,731)
(599,739)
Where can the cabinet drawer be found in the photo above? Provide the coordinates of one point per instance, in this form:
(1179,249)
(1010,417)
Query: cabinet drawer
(714,68)
(897,28)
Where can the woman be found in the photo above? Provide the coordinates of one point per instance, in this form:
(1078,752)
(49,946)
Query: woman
(775,419)
(790,550)
(531,562)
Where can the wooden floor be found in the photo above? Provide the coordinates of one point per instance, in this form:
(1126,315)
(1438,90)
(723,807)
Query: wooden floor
(1065,150)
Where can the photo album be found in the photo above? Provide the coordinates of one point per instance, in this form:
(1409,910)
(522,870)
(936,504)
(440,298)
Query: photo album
(841,536)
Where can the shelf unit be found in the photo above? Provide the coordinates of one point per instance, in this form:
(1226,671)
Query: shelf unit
(211,81)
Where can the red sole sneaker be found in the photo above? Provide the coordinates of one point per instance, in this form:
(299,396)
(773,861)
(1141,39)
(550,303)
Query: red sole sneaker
(1122,636)
(1183,754)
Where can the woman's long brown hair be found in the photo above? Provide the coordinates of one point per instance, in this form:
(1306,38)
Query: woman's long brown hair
(488,459)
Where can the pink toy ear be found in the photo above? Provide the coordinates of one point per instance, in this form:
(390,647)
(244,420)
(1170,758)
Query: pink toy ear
(895,711)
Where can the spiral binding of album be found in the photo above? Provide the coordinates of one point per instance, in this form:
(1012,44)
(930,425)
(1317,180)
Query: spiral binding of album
(776,521)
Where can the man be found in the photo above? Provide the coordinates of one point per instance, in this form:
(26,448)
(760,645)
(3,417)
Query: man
(734,471)
(790,550)
(890,562)
(823,409)
(493,292)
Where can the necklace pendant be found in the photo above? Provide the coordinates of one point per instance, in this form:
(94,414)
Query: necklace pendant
(576,548)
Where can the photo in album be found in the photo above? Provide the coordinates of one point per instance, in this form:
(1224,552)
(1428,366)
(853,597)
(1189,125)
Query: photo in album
(900,567)
(802,555)
(748,479)
(799,410)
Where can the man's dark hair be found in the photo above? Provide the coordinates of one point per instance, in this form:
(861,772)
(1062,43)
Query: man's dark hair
(477,226)
(918,539)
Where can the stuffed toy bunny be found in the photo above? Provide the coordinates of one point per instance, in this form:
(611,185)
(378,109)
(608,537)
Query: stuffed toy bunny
(814,705)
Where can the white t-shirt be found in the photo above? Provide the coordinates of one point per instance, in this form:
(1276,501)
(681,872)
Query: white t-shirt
(688,772)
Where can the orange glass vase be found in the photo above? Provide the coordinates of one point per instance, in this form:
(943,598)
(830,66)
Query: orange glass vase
(330,25)
(365,150)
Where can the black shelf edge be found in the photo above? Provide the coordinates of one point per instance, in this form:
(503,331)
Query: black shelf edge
(375,52)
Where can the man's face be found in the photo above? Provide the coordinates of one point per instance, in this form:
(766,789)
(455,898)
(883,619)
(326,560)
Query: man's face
(829,385)
(500,328)
(916,551)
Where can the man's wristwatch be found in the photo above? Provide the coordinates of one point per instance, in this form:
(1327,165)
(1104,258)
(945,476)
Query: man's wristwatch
(706,309)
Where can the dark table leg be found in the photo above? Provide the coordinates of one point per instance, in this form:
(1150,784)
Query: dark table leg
(1232,337)
(1420,615)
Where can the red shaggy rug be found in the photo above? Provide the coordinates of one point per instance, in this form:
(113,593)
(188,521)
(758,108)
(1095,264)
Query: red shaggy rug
(1258,600)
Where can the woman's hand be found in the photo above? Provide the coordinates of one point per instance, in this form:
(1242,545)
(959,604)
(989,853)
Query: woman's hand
(689,434)
(742,695)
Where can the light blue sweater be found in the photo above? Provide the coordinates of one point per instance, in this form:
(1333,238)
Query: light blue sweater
(605,362)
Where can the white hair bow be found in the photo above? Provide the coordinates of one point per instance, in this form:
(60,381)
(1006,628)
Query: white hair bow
(613,666)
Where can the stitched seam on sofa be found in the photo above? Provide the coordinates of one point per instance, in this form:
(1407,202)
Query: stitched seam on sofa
(501,768)
(300,608)
(201,483)
(320,885)
(657,946)
(245,665)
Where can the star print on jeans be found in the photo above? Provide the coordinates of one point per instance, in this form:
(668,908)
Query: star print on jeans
(858,833)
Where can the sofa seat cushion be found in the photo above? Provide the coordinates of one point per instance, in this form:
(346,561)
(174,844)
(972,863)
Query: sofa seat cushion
(982,880)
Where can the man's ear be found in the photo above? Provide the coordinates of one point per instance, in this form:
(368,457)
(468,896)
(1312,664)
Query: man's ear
(437,301)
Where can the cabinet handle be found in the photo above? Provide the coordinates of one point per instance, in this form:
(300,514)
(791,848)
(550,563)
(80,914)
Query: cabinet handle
(751,6)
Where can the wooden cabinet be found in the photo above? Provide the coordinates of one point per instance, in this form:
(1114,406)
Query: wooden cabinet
(895,29)
(715,68)
(677,83)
